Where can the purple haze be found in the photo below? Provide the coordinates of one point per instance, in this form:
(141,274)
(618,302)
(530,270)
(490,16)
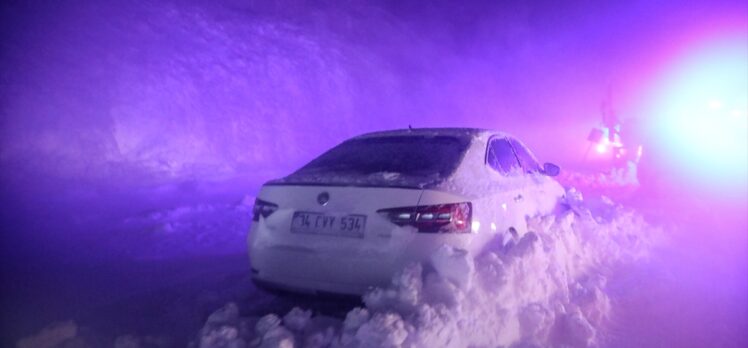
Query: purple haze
(181,89)
(111,108)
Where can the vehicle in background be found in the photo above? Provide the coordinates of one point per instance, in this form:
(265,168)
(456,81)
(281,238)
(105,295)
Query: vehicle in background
(363,210)
(612,168)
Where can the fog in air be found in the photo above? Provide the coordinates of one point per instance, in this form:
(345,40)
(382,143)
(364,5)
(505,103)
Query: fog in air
(135,139)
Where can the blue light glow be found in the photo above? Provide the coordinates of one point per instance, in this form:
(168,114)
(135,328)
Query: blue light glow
(701,114)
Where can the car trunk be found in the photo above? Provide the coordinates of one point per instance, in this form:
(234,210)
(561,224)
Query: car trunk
(337,229)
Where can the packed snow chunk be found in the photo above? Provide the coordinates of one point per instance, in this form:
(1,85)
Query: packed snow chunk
(384,330)
(491,271)
(454,264)
(589,297)
(525,247)
(439,290)
(402,296)
(437,326)
(353,321)
(222,337)
(603,208)
(224,329)
(576,330)
(536,321)
(297,319)
(271,334)
(267,323)
(279,337)
(355,318)
(228,315)
(320,339)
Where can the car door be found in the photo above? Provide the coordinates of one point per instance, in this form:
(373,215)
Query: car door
(540,197)
(508,197)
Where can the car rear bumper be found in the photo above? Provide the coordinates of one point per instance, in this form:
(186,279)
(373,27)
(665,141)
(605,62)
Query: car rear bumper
(351,272)
(305,286)
(307,271)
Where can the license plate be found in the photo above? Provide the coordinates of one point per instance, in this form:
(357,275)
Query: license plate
(316,223)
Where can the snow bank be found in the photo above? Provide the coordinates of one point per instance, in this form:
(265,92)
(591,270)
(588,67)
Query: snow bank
(619,178)
(205,229)
(545,289)
(198,89)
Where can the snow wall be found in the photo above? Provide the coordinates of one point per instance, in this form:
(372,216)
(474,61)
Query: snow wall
(182,89)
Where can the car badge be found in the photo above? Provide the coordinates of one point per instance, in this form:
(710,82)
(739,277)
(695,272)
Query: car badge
(323,198)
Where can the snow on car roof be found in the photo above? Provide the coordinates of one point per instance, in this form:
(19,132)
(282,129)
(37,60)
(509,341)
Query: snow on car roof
(462,132)
(463,177)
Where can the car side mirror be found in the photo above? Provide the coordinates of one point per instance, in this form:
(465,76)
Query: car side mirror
(551,169)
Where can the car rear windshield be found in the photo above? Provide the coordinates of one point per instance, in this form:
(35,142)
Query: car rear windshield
(404,155)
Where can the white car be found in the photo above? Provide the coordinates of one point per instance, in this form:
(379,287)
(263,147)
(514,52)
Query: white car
(363,210)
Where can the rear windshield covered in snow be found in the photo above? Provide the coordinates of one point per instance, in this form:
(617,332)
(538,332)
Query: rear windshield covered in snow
(406,155)
(407,160)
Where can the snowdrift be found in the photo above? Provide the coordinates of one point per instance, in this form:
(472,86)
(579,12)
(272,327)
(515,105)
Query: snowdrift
(545,289)
(186,230)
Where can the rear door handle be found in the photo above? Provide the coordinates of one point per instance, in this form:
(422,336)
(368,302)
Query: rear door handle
(519,198)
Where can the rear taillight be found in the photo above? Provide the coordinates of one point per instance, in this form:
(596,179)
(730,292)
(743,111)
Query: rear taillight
(439,218)
(262,208)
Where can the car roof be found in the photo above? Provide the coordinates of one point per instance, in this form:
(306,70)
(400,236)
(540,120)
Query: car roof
(460,132)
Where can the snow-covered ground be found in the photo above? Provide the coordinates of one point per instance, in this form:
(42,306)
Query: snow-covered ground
(593,274)
(133,136)
(547,290)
